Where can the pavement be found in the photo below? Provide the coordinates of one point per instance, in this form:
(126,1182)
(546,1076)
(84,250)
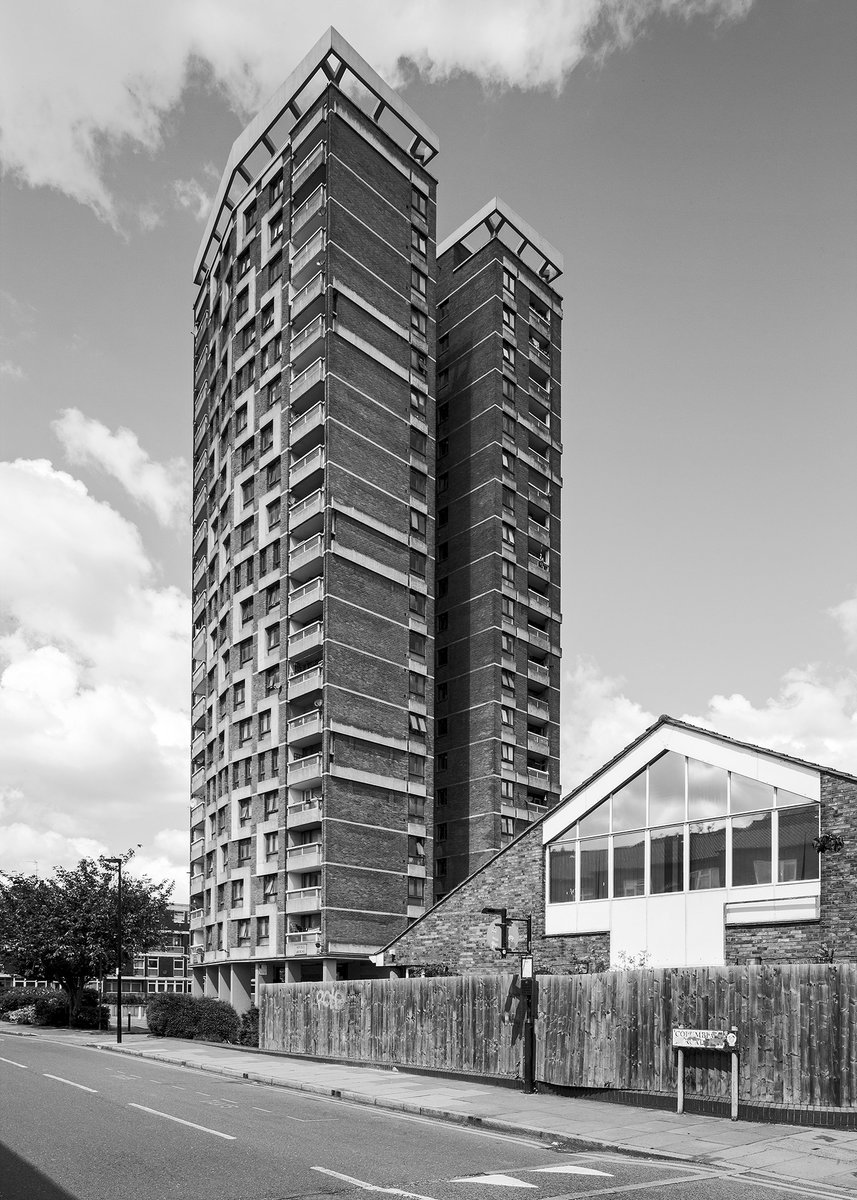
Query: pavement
(823,1157)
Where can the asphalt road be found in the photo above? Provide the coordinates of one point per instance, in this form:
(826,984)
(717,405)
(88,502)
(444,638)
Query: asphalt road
(86,1124)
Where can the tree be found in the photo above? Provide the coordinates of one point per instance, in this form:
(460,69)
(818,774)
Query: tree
(64,929)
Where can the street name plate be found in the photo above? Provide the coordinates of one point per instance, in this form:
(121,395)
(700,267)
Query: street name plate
(704,1039)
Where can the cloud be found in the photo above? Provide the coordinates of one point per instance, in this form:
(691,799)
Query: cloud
(81,82)
(845,615)
(598,719)
(94,671)
(163,487)
(193,197)
(11,370)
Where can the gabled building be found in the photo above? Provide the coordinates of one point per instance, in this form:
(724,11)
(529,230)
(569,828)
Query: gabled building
(688,848)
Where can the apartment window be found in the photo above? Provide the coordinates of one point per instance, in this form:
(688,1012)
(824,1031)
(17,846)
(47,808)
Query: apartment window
(440,868)
(442,692)
(246,611)
(269,888)
(272,474)
(507,680)
(509,320)
(508,535)
(266,437)
(419,321)
(509,389)
(509,427)
(442,796)
(243,812)
(417,724)
(443,448)
(272,846)
(247,490)
(237,892)
(275,270)
(247,337)
(508,499)
(442,726)
(418,241)
(275,229)
(418,564)
(250,217)
(272,636)
(507,643)
(244,731)
(418,442)
(507,789)
(275,761)
(418,522)
(419,482)
(442,622)
(442,656)
(416,684)
(508,571)
(507,753)
(416,890)
(508,355)
(507,826)
(443,481)
(272,804)
(245,652)
(419,202)
(272,597)
(417,603)
(443,552)
(417,644)
(443,379)
(268,316)
(242,303)
(507,715)
(507,461)
(417,767)
(244,850)
(442,515)
(246,532)
(274,514)
(275,189)
(418,401)
(419,281)
(265,722)
(240,419)
(508,281)
(419,362)
(247,454)
(243,264)
(238,696)
(242,934)
(263,931)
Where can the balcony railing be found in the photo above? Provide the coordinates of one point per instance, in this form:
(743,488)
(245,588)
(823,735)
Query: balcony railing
(538,671)
(303,899)
(537,741)
(311,205)
(538,637)
(540,322)
(537,707)
(305,168)
(302,768)
(539,460)
(538,776)
(305,723)
(307,507)
(306,421)
(313,249)
(306,638)
(307,593)
(307,294)
(538,532)
(306,550)
(538,496)
(302,854)
(306,336)
(303,382)
(304,466)
(536,389)
(305,681)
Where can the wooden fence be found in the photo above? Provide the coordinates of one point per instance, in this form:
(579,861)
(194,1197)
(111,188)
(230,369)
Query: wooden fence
(797,1031)
(797,1028)
(466,1023)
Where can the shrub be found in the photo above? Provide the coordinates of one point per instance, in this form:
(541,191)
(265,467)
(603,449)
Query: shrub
(249,1034)
(21,997)
(171,1015)
(23,1016)
(217,1021)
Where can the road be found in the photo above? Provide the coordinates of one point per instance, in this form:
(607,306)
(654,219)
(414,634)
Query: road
(81,1123)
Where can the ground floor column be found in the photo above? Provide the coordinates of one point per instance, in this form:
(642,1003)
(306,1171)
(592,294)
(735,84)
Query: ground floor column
(241,998)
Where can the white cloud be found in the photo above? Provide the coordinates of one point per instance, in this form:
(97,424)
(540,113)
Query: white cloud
(845,615)
(163,487)
(94,674)
(11,370)
(598,719)
(192,196)
(79,82)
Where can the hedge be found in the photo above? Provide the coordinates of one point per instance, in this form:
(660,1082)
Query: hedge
(50,1007)
(210,1020)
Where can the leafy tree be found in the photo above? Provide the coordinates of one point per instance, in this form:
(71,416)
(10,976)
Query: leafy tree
(64,929)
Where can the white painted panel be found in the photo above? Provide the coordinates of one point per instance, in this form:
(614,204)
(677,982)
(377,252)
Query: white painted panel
(772,912)
(628,928)
(593,916)
(704,945)
(560,918)
(665,930)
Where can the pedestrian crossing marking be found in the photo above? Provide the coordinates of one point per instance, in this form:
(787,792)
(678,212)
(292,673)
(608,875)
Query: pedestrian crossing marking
(496,1180)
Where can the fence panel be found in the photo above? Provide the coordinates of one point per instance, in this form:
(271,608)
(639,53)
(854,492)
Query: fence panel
(466,1023)
(797,1029)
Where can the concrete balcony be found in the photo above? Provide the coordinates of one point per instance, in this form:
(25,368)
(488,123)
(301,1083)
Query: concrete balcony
(538,602)
(311,506)
(197,744)
(540,323)
(197,779)
(306,338)
(537,776)
(199,569)
(306,559)
(197,813)
(197,849)
(302,469)
(538,672)
(304,683)
(198,676)
(197,884)
(538,743)
(304,943)
(305,813)
(537,496)
(537,460)
(304,169)
(303,858)
(304,729)
(538,566)
(305,772)
(309,254)
(307,379)
(303,900)
(303,297)
(538,533)
(196,918)
(537,708)
(311,207)
(198,710)
(539,353)
(311,421)
(539,391)
(306,597)
(305,641)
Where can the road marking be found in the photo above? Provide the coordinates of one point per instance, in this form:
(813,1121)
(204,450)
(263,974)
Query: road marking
(178,1087)
(12,1063)
(570,1169)
(370,1187)
(203,1093)
(70,1083)
(179,1121)
(255,1109)
(616,1189)
(495,1180)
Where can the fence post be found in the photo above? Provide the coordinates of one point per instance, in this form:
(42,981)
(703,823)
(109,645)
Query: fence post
(680,1071)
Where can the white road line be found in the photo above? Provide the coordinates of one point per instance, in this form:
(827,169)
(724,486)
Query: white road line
(370,1187)
(255,1109)
(569,1169)
(616,1189)
(496,1180)
(178,1087)
(192,1124)
(203,1093)
(12,1063)
(70,1083)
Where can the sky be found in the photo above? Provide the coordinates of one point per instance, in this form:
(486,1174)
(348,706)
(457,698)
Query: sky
(694,161)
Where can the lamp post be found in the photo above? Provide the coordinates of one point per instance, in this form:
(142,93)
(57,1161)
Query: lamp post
(527,987)
(117,863)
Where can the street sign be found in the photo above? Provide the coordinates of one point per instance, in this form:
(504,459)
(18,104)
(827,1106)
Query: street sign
(705,1039)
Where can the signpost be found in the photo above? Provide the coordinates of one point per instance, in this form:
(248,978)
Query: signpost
(725,1040)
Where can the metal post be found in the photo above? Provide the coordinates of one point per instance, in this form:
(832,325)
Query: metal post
(734,1113)
(680,1069)
(119,956)
(528,1064)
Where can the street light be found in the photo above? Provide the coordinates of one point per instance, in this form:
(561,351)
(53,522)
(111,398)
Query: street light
(117,863)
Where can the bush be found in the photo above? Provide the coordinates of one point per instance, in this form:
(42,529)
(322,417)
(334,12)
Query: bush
(249,1034)
(22,1016)
(202,1017)
(21,997)
(50,1007)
